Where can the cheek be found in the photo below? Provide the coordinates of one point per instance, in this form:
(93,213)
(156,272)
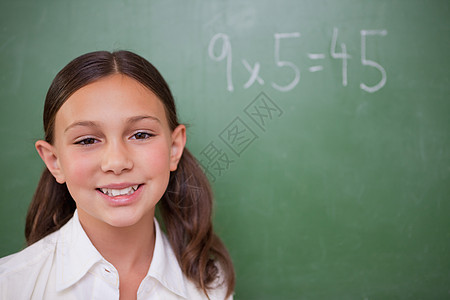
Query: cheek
(155,159)
(78,169)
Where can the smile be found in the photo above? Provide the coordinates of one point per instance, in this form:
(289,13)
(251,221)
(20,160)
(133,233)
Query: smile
(119,192)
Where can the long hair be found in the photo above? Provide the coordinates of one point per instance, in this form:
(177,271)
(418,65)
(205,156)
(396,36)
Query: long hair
(186,206)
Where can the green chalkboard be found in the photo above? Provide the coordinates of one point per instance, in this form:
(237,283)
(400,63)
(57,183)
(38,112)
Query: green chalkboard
(323,126)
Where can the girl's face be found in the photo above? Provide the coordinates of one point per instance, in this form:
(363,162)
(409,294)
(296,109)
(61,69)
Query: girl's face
(114,149)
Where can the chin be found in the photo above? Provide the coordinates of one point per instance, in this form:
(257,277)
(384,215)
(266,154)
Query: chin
(125,219)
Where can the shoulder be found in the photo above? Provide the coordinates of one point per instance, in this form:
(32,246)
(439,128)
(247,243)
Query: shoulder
(217,291)
(219,287)
(28,257)
(20,271)
(167,269)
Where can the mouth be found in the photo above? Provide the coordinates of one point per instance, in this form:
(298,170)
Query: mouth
(120,192)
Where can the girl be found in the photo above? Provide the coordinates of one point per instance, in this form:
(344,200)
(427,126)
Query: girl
(113,149)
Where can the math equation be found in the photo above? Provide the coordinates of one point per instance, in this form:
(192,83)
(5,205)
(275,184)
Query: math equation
(339,52)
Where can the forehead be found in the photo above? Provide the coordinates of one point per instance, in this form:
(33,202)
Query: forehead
(110,99)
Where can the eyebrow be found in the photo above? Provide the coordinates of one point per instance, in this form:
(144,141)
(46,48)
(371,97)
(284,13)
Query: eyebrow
(81,123)
(143,117)
(130,120)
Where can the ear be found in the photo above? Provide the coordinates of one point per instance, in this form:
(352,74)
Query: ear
(48,154)
(177,147)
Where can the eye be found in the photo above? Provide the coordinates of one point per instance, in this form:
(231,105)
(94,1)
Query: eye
(86,141)
(142,136)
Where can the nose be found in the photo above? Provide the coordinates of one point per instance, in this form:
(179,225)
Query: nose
(116,158)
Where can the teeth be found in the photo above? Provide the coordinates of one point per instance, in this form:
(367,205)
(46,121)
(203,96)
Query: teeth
(126,191)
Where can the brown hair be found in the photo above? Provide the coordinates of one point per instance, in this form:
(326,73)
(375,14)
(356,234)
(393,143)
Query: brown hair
(186,206)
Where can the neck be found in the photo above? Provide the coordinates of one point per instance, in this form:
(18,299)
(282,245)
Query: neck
(126,248)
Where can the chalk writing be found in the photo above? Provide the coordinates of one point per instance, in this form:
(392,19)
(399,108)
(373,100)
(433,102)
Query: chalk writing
(254,74)
(315,56)
(292,70)
(226,52)
(285,63)
(366,62)
(342,55)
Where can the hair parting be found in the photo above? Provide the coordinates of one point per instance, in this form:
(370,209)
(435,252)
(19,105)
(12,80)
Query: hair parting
(185,208)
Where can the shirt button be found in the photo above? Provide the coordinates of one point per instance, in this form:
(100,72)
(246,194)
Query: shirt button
(108,273)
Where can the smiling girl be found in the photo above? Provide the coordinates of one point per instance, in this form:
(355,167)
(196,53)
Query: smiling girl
(113,150)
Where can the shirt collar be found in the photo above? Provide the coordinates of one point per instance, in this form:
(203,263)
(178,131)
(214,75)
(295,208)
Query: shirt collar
(76,255)
(165,267)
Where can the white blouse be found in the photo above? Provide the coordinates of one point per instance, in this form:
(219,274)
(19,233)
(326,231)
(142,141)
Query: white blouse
(65,265)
